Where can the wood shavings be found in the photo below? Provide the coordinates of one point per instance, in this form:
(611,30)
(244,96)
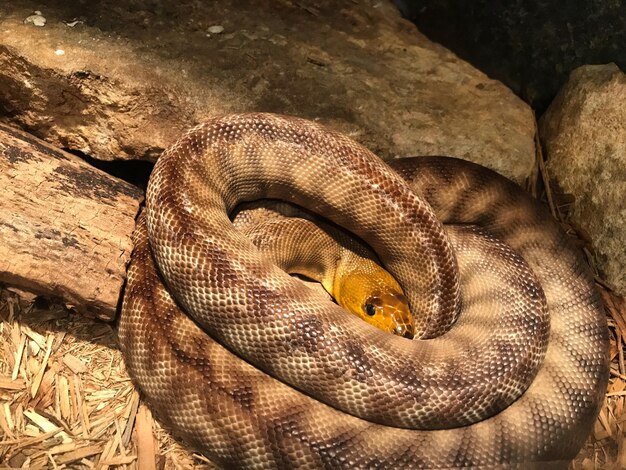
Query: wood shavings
(67,402)
(38,378)
(145,439)
(78,454)
(74,364)
(9,383)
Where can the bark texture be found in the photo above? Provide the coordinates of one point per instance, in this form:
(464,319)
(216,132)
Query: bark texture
(64,226)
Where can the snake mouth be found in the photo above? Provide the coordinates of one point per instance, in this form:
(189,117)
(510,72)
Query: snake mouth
(405,334)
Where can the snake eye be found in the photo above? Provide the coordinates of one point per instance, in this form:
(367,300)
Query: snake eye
(370,309)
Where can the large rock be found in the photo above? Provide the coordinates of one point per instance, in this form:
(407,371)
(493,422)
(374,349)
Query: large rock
(531,46)
(127,78)
(584,133)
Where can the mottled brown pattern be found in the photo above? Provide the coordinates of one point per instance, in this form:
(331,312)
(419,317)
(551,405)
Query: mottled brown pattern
(515,383)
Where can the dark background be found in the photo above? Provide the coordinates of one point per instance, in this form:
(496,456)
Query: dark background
(531,46)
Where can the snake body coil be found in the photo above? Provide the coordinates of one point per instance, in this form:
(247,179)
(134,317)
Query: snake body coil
(515,382)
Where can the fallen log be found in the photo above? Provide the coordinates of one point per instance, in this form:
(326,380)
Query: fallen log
(65,226)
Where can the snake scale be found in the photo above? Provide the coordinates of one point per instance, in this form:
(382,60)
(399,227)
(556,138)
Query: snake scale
(258,371)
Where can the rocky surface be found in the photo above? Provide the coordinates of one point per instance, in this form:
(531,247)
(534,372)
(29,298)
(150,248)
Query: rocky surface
(123,80)
(531,46)
(65,226)
(584,134)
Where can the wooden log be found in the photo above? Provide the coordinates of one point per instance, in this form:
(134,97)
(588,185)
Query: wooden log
(65,226)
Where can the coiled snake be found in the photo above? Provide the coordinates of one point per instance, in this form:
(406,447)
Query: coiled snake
(511,384)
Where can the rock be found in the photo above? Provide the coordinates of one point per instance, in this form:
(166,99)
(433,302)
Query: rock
(584,134)
(215,29)
(530,46)
(36,19)
(65,226)
(134,76)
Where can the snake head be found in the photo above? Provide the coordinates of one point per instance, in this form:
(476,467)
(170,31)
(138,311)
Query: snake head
(389,311)
(370,292)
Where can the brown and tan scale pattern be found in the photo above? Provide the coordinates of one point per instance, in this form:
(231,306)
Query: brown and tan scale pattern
(511,384)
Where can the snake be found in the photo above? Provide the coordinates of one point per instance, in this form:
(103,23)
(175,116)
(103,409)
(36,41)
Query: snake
(243,362)
(304,245)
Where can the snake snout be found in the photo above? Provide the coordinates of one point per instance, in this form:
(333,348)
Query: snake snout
(396,308)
